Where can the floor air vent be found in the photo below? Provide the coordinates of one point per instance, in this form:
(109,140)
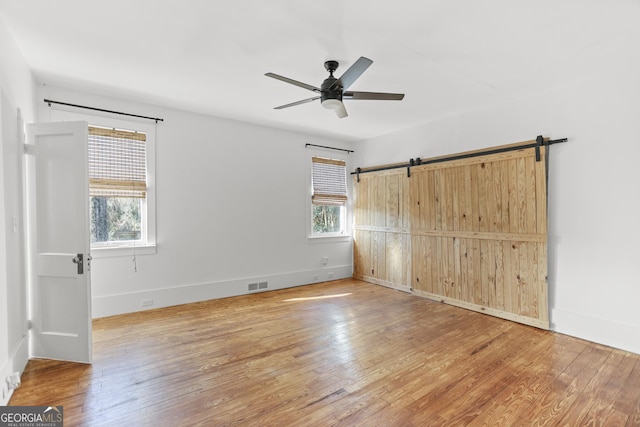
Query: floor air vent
(258,286)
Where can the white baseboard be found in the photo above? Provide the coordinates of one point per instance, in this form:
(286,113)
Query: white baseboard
(607,332)
(110,305)
(16,363)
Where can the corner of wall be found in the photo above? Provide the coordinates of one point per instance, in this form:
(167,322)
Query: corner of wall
(16,363)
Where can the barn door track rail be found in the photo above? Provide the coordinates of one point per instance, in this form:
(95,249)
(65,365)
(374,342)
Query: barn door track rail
(540,142)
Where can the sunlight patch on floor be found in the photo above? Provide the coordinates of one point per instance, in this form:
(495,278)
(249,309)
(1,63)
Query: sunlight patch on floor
(318,297)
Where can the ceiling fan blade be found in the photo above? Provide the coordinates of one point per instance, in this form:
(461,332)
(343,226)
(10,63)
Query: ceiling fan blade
(350,76)
(293,82)
(293,104)
(374,95)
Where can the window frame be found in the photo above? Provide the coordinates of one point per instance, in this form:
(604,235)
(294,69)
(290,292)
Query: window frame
(147,244)
(345,234)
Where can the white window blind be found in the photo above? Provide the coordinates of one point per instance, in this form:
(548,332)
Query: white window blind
(329,181)
(117,163)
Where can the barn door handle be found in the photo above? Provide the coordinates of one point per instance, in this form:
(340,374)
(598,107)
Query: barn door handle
(78,260)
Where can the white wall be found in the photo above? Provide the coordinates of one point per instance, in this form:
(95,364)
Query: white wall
(16,100)
(231,202)
(593,191)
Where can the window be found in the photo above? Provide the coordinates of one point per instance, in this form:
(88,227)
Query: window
(329,197)
(118,187)
(121,209)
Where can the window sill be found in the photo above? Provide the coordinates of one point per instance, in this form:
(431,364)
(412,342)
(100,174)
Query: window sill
(329,239)
(113,251)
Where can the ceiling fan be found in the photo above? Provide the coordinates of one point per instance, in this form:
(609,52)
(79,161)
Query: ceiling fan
(334,90)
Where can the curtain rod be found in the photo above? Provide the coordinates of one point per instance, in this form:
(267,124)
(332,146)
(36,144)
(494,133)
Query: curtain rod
(540,141)
(330,148)
(49,101)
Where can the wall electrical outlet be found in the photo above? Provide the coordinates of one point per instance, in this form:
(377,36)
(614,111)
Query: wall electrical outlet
(146,302)
(325,260)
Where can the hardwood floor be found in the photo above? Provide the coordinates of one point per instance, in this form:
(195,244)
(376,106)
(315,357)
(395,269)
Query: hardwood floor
(339,353)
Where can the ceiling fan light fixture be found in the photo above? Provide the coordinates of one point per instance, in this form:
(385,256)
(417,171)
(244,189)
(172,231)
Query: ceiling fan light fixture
(335,105)
(332,104)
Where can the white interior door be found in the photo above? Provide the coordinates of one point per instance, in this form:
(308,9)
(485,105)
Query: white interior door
(58,229)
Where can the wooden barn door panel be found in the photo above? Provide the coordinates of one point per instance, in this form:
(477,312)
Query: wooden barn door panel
(479,235)
(470,232)
(382,244)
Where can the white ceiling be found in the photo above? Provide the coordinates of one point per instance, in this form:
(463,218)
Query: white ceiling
(447,56)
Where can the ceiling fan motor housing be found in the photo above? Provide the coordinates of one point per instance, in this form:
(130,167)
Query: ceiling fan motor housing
(329,92)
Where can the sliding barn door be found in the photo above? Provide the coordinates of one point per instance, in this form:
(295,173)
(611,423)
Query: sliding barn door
(382,243)
(477,230)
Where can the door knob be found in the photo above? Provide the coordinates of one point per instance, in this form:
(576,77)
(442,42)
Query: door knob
(78,260)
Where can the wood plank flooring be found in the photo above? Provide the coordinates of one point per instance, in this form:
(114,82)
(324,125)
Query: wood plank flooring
(342,353)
